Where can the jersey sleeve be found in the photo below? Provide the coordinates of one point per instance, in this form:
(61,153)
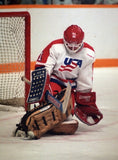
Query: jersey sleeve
(47,59)
(85,77)
(51,61)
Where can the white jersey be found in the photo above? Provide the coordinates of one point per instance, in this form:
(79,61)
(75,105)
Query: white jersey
(63,67)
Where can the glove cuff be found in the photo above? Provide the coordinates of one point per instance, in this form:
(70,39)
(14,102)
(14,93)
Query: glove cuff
(85,98)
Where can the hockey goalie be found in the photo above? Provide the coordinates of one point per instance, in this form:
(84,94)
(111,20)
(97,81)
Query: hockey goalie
(65,62)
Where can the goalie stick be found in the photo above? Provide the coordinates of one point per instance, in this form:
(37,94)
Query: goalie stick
(61,106)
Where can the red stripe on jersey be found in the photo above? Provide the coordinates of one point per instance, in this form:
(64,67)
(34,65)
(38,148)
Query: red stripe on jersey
(86,45)
(69,68)
(63,80)
(74,64)
(65,69)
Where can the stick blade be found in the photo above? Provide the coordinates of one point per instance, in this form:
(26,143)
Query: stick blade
(66,98)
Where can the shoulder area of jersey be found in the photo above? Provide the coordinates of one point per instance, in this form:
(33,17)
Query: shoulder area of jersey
(57,41)
(86,45)
(89,51)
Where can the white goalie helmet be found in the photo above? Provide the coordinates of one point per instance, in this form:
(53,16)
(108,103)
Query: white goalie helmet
(73,38)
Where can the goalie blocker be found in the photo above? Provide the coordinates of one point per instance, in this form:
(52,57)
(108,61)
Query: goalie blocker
(38,86)
(39,90)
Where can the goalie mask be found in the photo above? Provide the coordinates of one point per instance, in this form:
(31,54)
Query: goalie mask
(73,39)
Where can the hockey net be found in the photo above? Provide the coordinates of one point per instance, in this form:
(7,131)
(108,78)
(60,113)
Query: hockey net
(14,58)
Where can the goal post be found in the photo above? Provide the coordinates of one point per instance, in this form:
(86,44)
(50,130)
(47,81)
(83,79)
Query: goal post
(14,58)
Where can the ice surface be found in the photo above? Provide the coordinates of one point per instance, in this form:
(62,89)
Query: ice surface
(98,142)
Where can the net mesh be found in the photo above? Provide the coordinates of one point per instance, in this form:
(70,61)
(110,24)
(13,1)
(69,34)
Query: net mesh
(12,60)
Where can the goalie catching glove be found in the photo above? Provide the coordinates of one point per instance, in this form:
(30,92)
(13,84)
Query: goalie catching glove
(86,109)
(41,119)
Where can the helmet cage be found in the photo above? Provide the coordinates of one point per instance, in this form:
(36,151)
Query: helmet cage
(73,47)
